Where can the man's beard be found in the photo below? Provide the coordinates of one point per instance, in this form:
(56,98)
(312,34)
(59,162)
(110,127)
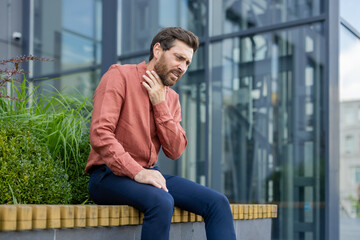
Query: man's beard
(162,70)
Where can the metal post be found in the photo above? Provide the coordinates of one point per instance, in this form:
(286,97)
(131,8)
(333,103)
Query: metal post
(332,121)
(109,34)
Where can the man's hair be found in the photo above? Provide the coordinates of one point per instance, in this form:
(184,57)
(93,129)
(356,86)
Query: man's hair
(167,36)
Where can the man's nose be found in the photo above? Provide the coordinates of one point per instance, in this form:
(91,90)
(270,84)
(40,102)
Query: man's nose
(182,67)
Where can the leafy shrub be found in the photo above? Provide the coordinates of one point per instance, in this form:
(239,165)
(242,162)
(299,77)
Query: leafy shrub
(61,121)
(28,174)
(78,179)
(64,122)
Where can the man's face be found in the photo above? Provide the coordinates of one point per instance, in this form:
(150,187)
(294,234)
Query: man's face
(173,63)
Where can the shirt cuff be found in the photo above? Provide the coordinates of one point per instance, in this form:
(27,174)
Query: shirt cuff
(161,109)
(130,167)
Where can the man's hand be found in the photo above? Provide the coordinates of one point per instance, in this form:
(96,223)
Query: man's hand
(152,177)
(155,87)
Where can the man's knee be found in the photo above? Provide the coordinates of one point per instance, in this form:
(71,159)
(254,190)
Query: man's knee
(162,203)
(167,203)
(220,201)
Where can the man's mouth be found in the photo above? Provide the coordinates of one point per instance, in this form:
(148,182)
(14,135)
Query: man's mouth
(175,74)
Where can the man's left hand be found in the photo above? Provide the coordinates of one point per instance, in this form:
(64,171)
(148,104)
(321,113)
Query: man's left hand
(155,87)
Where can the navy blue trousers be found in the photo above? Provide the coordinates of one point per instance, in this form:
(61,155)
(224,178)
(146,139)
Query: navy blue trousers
(157,205)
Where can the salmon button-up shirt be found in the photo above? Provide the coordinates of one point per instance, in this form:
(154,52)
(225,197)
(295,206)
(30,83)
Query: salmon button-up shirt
(127,131)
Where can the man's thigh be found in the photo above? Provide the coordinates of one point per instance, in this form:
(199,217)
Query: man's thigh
(191,196)
(107,188)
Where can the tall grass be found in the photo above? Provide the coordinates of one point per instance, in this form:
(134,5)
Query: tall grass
(63,118)
(60,120)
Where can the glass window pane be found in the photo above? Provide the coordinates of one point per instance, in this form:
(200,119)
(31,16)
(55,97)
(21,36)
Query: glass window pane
(266,104)
(349,134)
(77,51)
(349,11)
(349,66)
(232,16)
(68,32)
(78,16)
(83,83)
(140,20)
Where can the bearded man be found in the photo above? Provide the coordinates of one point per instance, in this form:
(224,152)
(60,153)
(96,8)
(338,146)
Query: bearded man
(135,113)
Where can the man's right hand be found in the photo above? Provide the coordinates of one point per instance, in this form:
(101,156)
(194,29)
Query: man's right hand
(152,177)
(155,87)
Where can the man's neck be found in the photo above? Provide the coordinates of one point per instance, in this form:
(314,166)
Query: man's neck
(150,65)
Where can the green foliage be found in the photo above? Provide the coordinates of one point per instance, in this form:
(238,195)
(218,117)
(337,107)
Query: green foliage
(28,174)
(62,122)
(78,179)
(8,74)
(356,204)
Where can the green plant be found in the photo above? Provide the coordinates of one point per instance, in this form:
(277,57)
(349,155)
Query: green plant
(28,174)
(355,204)
(8,74)
(78,179)
(61,120)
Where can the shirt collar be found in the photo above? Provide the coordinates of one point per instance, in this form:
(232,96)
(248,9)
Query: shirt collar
(141,69)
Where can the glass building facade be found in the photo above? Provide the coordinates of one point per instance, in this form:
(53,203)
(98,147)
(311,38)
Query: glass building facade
(253,100)
(260,101)
(349,86)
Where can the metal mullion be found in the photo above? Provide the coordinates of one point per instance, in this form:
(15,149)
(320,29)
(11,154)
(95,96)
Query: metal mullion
(215,150)
(331,216)
(93,39)
(208,89)
(133,55)
(349,27)
(270,28)
(145,52)
(63,73)
(26,31)
(28,41)
(109,34)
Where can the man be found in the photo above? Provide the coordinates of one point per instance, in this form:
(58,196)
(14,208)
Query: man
(135,113)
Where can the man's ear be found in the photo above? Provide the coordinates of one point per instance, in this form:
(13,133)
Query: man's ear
(157,50)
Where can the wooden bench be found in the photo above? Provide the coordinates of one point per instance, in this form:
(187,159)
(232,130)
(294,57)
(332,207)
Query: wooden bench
(27,218)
